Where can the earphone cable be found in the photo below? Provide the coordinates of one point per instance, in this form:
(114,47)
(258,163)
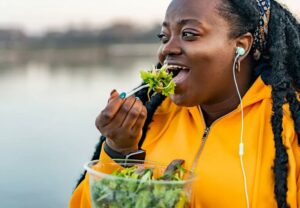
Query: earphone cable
(241,146)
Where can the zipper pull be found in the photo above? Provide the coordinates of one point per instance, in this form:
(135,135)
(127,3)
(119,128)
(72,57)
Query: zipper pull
(206,130)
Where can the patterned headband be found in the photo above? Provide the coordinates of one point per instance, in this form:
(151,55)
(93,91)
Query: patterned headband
(261,32)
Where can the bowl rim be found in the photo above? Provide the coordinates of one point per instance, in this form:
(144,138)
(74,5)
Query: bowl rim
(87,166)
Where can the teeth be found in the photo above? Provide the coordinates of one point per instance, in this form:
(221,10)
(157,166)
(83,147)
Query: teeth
(176,67)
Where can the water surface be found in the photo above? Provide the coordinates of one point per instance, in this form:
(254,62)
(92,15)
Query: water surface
(47,116)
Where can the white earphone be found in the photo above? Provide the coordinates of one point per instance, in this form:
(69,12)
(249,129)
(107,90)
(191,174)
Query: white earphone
(240,52)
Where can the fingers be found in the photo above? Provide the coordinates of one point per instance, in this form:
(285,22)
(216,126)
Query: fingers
(128,126)
(140,121)
(109,112)
(124,110)
(133,115)
(122,120)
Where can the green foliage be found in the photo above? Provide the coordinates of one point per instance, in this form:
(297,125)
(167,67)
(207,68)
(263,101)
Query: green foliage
(159,80)
(140,193)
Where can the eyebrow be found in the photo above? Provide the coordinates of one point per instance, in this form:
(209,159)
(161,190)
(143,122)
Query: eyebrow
(184,22)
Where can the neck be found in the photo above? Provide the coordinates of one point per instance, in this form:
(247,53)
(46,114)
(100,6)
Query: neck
(214,111)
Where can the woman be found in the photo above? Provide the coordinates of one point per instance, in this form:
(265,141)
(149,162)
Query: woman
(222,50)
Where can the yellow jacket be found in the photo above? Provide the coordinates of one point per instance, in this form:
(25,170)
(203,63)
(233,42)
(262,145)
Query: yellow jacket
(176,133)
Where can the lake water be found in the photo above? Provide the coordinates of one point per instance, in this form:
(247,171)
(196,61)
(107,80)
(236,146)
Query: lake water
(47,116)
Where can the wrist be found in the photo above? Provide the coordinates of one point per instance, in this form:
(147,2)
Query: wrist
(137,154)
(121,150)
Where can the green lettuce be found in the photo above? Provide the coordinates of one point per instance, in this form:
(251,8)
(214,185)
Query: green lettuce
(141,193)
(159,81)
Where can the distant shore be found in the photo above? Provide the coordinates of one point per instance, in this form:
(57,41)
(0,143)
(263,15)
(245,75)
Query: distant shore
(77,55)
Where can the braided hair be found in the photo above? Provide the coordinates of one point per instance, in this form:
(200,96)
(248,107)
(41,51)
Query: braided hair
(282,55)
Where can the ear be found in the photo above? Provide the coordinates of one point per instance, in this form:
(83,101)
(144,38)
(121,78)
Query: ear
(245,41)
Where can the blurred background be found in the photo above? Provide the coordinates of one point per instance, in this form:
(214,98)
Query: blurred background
(59,60)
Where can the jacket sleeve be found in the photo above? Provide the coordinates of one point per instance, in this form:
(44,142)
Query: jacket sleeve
(292,143)
(296,150)
(298,191)
(81,196)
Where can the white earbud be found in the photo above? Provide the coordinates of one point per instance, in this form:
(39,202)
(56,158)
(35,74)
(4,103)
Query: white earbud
(240,51)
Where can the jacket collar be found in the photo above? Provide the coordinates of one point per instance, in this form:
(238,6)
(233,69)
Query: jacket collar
(257,92)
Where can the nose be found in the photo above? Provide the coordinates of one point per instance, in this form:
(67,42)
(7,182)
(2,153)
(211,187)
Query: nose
(170,48)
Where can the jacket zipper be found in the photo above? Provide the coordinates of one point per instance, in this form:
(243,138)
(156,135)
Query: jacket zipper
(204,138)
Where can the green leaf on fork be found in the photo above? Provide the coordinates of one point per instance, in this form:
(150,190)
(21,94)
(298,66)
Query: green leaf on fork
(159,80)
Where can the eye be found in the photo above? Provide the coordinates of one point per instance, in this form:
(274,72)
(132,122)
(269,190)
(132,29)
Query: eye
(163,38)
(189,35)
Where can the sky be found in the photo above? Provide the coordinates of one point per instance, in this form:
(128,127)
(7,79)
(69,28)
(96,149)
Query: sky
(36,16)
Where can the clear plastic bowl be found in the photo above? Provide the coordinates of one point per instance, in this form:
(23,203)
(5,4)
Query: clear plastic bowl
(109,191)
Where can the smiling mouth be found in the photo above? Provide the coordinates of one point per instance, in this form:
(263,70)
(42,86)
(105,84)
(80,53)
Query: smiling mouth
(179,73)
(176,69)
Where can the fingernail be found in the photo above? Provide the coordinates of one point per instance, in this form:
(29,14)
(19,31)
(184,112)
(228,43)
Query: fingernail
(113,91)
(137,98)
(122,95)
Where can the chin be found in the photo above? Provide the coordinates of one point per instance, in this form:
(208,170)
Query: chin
(181,100)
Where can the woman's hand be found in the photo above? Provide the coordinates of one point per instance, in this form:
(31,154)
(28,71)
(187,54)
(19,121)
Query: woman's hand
(121,122)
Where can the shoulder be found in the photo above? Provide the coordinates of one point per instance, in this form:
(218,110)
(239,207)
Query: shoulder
(167,107)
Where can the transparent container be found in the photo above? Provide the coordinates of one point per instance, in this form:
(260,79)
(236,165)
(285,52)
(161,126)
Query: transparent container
(109,191)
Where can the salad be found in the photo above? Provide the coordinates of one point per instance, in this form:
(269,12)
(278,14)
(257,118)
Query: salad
(141,192)
(159,81)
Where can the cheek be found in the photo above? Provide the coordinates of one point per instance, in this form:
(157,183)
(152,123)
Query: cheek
(160,56)
(212,59)
(212,71)
(204,63)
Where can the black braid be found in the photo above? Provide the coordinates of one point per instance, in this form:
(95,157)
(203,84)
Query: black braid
(290,48)
(294,57)
(280,82)
(282,54)
(293,37)
(281,157)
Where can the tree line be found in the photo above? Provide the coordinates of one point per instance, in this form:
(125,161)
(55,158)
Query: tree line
(120,32)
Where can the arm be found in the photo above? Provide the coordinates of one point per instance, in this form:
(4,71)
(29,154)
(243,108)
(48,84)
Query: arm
(121,122)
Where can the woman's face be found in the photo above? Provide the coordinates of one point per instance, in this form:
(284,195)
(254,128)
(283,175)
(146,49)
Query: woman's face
(196,37)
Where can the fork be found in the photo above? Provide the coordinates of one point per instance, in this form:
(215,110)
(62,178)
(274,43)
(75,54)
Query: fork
(124,95)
